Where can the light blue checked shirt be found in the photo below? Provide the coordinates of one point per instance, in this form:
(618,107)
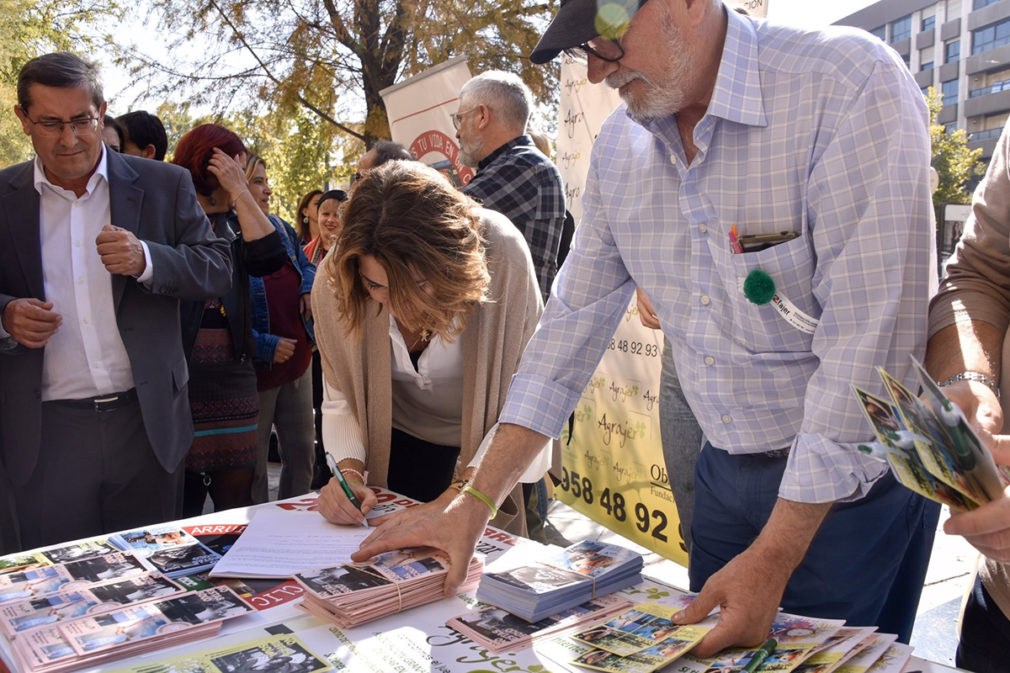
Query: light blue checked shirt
(823,133)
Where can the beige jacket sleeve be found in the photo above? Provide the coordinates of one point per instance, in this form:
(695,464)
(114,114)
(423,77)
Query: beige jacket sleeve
(977,286)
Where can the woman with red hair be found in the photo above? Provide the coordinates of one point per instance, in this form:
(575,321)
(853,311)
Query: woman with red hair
(217,334)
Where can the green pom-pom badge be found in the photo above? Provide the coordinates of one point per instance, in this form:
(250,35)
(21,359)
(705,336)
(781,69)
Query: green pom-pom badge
(758,287)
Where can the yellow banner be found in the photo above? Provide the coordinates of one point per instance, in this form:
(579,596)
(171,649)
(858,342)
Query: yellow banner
(613,469)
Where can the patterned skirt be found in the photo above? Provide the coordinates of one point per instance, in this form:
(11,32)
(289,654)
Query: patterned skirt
(225,405)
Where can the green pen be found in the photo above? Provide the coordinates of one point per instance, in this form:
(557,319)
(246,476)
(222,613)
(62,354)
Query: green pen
(331,461)
(760,655)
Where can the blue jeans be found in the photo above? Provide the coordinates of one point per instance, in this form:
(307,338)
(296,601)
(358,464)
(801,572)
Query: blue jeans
(682,440)
(866,564)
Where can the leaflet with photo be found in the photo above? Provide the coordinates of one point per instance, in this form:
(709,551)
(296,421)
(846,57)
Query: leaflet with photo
(499,630)
(560,580)
(104,597)
(47,580)
(355,593)
(153,619)
(281,653)
(168,549)
(929,445)
(643,638)
(59,554)
(840,647)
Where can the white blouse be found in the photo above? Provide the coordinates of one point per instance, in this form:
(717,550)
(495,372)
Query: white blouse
(427,404)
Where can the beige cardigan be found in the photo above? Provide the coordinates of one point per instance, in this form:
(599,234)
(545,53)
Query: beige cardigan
(493,341)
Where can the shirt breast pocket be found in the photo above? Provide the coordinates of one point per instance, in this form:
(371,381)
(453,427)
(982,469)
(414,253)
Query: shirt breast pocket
(762,328)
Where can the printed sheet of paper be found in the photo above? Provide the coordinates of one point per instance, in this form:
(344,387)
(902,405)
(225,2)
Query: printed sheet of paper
(280,543)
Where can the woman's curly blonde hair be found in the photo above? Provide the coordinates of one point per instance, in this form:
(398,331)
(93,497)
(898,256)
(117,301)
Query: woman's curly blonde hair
(416,225)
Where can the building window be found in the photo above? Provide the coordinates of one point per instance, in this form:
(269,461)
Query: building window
(928,23)
(949,92)
(950,128)
(928,65)
(901,29)
(991,36)
(988,134)
(952,51)
(995,87)
(880,32)
(979,4)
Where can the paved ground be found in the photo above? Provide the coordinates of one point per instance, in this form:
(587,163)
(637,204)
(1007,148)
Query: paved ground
(934,636)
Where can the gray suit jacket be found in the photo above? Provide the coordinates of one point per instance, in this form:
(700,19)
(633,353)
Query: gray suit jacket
(157,202)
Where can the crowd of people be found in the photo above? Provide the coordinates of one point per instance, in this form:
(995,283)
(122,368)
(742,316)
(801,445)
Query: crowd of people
(159,323)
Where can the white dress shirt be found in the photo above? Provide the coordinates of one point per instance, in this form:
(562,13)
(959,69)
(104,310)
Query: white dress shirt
(86,356)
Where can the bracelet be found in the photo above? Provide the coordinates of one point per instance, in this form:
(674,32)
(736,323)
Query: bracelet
(480,496)
(458,484)
(972,376)
(349,470)
(235,200)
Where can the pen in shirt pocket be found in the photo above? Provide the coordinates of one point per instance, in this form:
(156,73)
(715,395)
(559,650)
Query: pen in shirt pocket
(734,240)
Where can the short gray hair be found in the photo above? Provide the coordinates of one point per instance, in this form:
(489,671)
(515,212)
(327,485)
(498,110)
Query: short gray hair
(503,92)
(60,69)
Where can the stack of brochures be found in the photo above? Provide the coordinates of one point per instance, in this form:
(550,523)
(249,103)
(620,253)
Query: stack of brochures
(929,445)
(86,603)
(644,638)
(132,630)
(355,593)
(639,640)
(572,576)
(167,549)
(499,631)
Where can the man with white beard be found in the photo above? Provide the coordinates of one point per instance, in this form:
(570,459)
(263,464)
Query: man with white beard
(513,176)
(768,189)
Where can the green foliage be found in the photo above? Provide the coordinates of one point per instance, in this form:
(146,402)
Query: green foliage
(955,164)
(31,29)
(296,150)
(331,58)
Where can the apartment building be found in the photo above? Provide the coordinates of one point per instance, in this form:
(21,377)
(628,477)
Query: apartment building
(961,47)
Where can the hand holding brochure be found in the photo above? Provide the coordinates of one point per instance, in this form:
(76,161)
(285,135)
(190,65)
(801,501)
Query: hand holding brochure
(929,445)
(574,575)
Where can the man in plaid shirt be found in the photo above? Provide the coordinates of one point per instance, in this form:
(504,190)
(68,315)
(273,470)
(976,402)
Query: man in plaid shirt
(513,177)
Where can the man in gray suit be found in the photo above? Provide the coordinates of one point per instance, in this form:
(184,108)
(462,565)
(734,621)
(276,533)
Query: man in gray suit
(96,251)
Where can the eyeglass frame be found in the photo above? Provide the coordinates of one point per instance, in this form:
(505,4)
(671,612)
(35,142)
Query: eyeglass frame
(586,48)
(457,117)
(55,126)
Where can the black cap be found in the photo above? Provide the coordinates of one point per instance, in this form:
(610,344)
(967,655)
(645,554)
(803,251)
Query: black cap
(579,21)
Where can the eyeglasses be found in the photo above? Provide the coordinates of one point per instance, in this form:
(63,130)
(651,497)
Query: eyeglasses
(606,48)
(78,125)
(602,48)
(457,117)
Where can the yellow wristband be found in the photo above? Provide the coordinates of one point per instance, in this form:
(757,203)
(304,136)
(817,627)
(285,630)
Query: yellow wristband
(480,496)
